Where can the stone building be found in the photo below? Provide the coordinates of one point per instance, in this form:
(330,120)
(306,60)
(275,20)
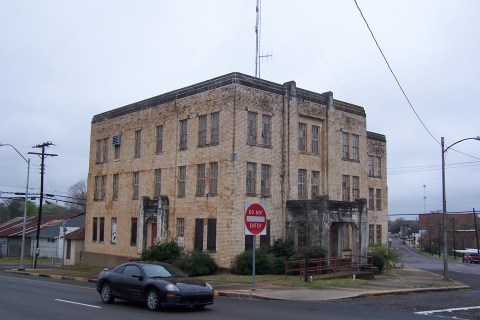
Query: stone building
(181,166)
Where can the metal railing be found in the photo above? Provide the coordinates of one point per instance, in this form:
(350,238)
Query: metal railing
(330,267)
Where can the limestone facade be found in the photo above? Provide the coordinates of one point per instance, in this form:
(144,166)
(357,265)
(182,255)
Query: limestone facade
(181,166)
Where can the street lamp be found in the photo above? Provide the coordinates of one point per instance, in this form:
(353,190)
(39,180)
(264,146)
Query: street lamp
(445,252)
(22,254)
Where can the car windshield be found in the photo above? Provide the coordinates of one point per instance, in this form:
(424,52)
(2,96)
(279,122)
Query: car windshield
(159,271)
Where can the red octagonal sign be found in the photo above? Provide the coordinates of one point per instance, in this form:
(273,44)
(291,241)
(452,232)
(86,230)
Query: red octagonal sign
(255,219)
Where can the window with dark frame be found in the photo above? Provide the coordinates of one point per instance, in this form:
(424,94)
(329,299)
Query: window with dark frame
(136,184)
(183,134)
(370,166)
(98,155)
(265,239)
(138,144)
(103,192)
(159,146)
(315,138)
(181,232)
(117,149)
(198,243)
(215,128)
(101,237)
(251,178)
(158,183)
(115,187)
(212,235)
(252,128)
(302,176)
(378,233)
(248,242)
(105,150)
(213,179)
(378,199)
(113,239)
(378,167)
(345,146)
(355,188)
(371,234)
(133,232)
(182,180)
(371,199)
(302,137)
(355,147)
(200,179)
(265,180)
(345,188)
(95,229)
(97,188)
(266,130)
(202,130)
(315,184)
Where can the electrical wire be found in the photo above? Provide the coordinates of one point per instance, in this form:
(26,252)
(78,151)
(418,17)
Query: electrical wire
(393,73)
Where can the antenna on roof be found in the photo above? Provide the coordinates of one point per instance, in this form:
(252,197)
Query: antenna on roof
(258,27)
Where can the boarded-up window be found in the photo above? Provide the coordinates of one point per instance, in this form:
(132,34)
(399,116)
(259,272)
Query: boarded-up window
(94,229)
(102,229)
(212,235)
(133,233)
(248,242)
(265,240)
(198,245)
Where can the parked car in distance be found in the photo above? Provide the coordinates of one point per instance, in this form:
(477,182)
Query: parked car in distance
(155,284)
(471,258)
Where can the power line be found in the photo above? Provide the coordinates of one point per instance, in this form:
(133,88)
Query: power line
(391,70)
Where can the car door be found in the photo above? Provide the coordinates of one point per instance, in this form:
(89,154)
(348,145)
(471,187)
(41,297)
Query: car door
(132,280)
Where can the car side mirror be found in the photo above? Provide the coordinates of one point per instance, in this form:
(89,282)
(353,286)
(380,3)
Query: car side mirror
(138,276)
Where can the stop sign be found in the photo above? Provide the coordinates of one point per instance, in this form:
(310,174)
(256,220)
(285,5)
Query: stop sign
(255,219)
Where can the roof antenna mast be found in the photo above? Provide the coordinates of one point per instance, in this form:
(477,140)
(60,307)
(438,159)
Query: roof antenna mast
(258,32)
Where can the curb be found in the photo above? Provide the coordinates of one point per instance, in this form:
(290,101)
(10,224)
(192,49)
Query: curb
(416,290)
(253,295)
(53,276)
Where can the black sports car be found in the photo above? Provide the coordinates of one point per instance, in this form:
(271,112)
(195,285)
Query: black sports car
(156,284)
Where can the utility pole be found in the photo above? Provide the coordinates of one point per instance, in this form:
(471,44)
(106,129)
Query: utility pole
(42,156)
(476,231)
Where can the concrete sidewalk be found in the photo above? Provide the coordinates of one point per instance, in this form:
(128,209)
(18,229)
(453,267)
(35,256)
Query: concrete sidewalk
(399,281)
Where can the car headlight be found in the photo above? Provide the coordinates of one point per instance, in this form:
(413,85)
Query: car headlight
(171,287)
(209,286)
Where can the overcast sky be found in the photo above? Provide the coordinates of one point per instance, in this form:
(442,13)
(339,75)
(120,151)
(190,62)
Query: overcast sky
(62,62)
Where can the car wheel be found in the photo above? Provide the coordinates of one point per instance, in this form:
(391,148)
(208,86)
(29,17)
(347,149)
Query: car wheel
(152,300)
(106,293)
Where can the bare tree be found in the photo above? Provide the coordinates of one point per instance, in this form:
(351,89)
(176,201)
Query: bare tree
(78,195)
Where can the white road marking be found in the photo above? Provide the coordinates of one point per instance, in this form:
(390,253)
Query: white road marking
(80,304)
(431,312)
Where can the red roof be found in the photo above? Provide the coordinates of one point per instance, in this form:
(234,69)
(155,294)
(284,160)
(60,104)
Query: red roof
(14,227)
(76,235)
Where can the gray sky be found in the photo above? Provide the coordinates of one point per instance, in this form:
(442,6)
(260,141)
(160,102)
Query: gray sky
(61,62)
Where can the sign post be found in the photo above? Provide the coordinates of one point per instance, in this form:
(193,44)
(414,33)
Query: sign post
(255,223)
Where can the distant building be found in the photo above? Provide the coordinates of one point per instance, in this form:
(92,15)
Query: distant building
(181,166)
(461,231)
(51,234)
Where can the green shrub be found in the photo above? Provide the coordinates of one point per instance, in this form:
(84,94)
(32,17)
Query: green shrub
(164,252)
(277,264)
(196,263)
(316,252)
(382,256)
(243,262)
(283,248)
